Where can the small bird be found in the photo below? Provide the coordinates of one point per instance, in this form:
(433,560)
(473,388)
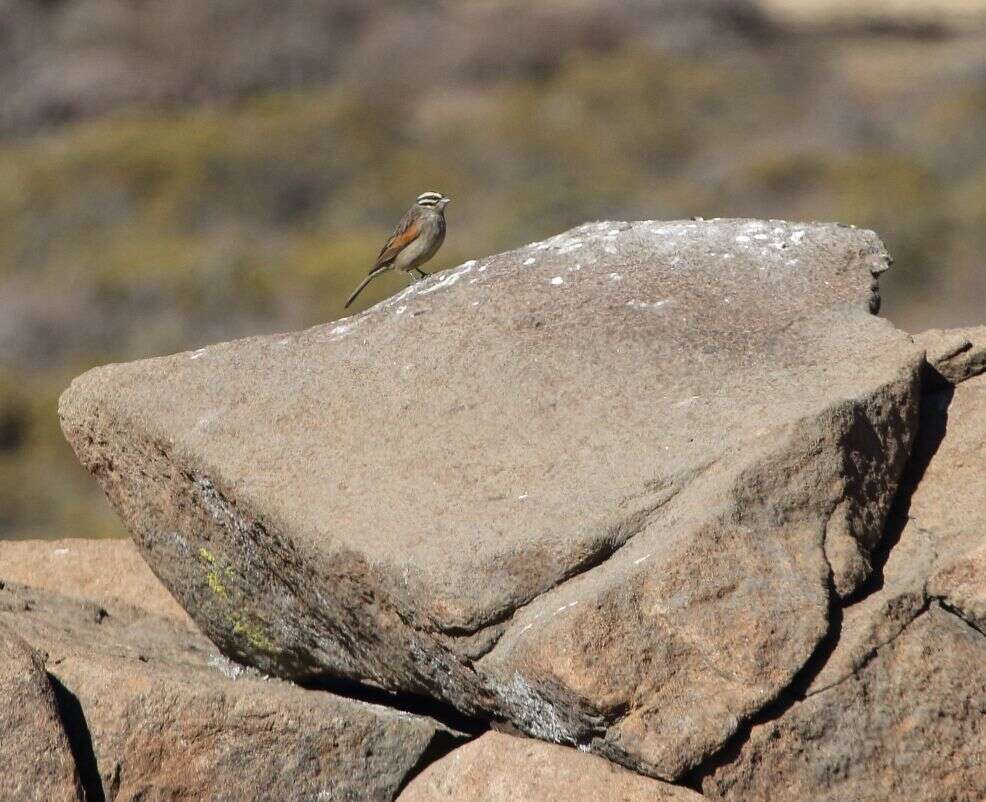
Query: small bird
(417,238)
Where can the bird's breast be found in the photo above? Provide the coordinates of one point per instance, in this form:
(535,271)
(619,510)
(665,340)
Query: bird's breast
(424,246)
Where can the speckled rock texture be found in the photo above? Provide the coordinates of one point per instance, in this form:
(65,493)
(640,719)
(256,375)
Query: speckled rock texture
(36,761)
(608,486)
(153,712)
(500,768)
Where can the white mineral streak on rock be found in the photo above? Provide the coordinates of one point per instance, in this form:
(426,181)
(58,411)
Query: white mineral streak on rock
(538,714)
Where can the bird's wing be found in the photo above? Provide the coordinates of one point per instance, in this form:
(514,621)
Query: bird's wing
(406,232)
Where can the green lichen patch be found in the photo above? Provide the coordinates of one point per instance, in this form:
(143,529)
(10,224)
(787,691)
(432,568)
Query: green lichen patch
(244,627)
(222,580)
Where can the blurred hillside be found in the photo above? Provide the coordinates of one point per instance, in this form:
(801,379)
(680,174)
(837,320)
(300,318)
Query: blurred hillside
(176,173)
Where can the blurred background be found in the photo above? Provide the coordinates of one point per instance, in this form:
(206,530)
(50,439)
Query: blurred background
(178,172)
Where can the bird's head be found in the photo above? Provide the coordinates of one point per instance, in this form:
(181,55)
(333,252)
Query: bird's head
(433,200)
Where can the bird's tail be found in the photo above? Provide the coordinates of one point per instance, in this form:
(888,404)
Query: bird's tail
(359,289)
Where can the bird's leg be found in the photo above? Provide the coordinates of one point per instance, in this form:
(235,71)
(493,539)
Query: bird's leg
(414,270)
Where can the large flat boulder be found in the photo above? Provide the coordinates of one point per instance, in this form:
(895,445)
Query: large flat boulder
(500,768)
(36,761)
(154,712)
(605,486)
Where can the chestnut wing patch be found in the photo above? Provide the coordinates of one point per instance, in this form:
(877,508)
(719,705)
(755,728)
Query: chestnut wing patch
(399,240)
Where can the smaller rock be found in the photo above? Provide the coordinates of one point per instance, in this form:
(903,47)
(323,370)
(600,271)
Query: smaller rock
(897,710)
(948,502)
(955,354)
(941,553)
(163,716)
(502,768)
(909,724)
(36,760)
(101,570)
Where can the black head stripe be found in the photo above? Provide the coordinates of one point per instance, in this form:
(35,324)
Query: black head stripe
(429,198)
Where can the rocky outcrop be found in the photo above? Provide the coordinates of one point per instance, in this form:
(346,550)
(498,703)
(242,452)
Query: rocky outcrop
(666,492)
(152,711)
(36,761)
(609,486)
(499,768)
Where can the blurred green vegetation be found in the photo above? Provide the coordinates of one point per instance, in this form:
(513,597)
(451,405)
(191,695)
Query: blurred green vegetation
(129,237)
